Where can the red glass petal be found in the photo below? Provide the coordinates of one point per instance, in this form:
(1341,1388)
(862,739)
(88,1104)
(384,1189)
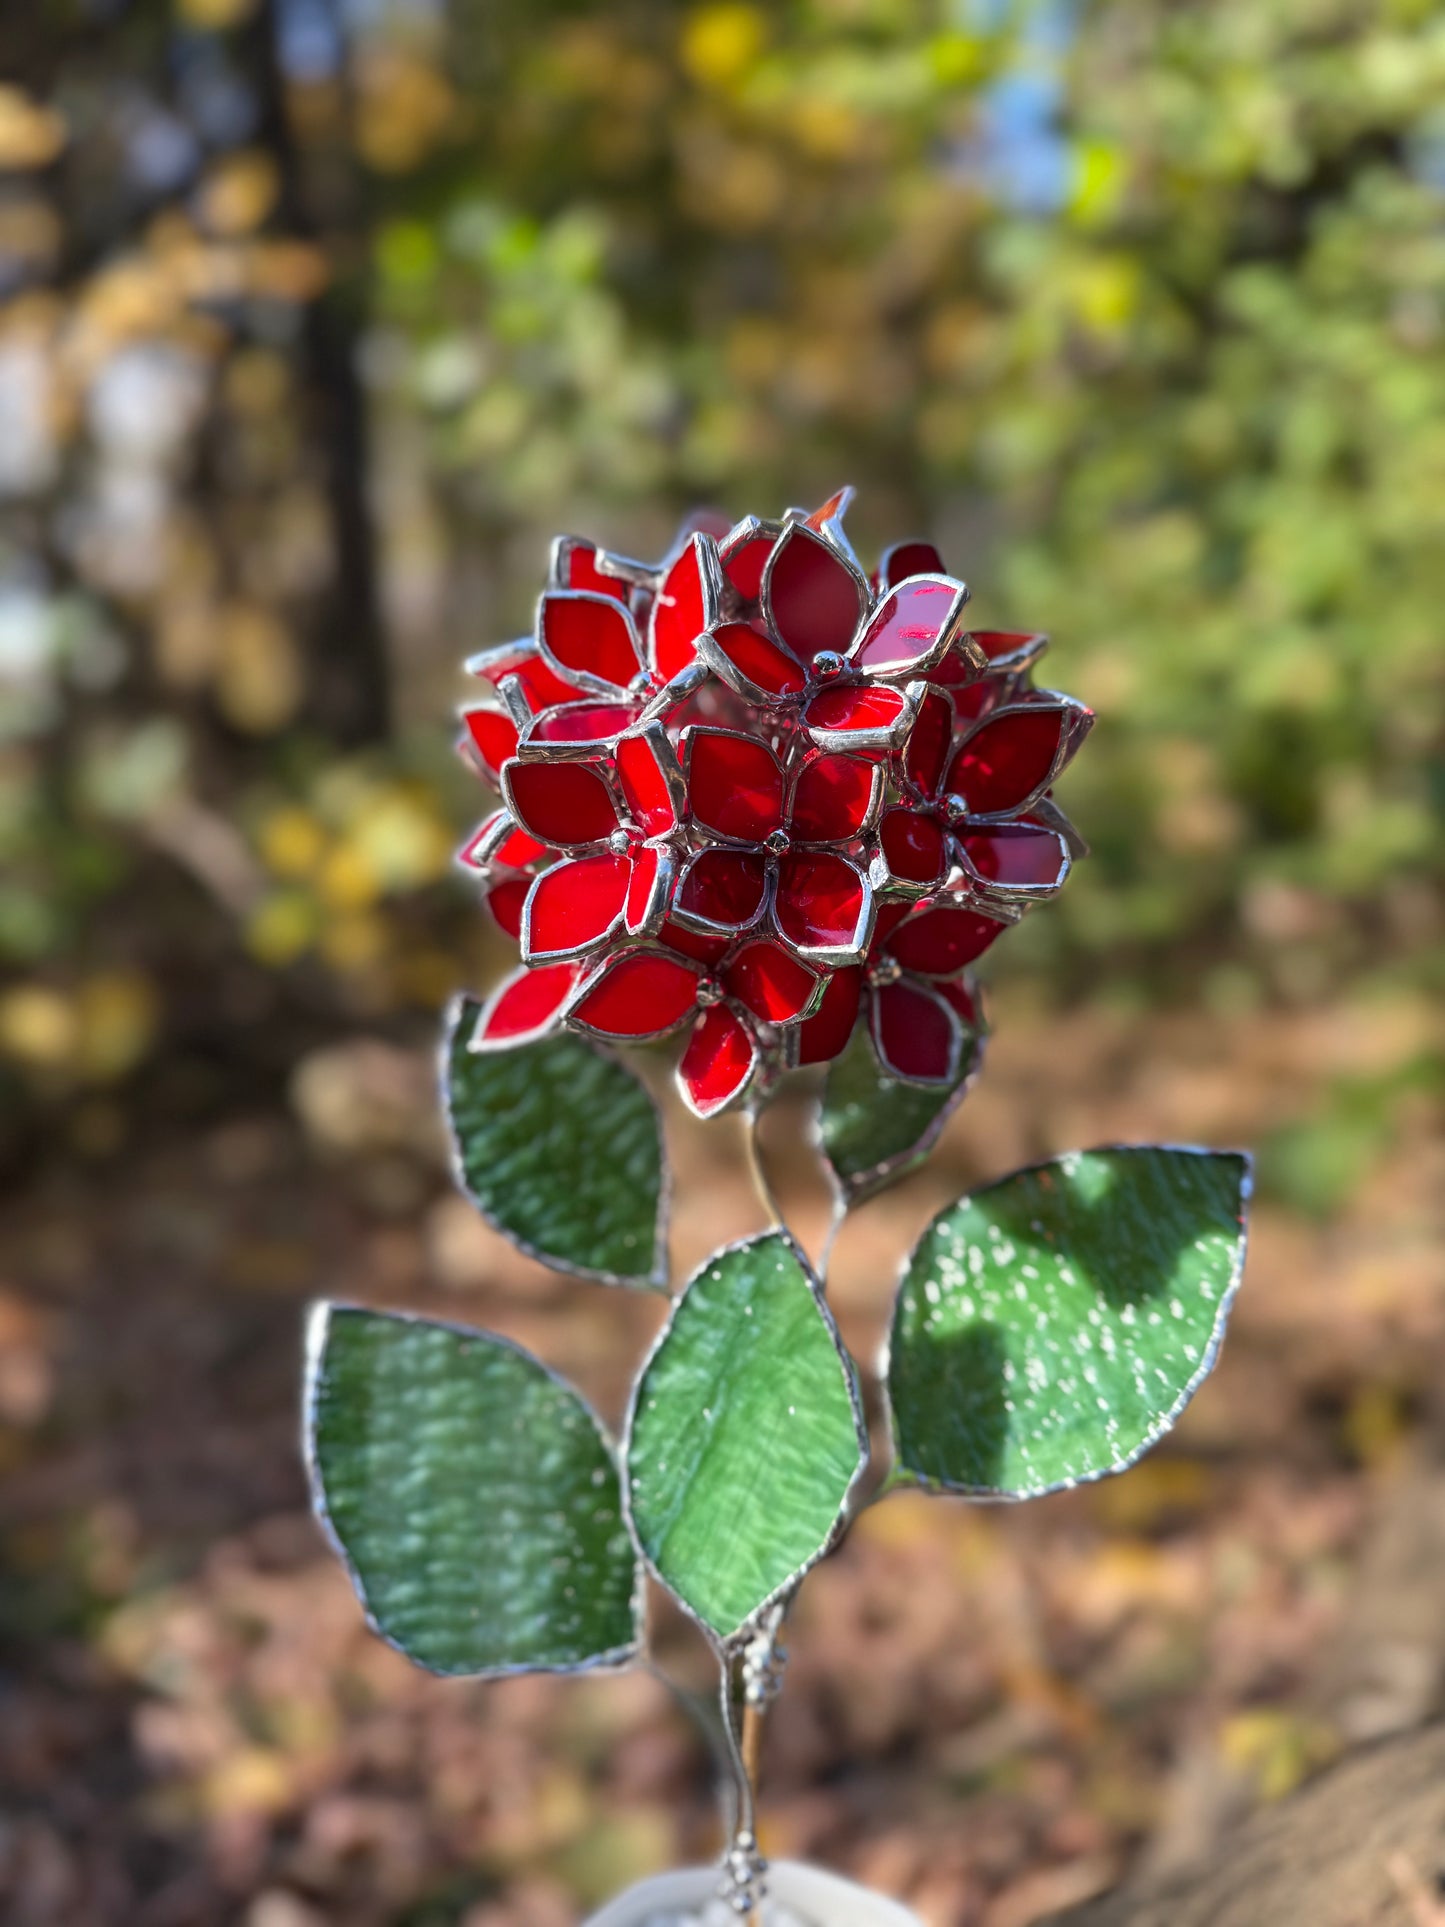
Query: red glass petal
(734,784)
(824,1036)
(574,904)
(743,561)
(821,899)
(963,1000)
(889,916)
(854,706)
(505,900)
(1019,854)
(684,607)
(926,755)
(590,636)
(914,1033)
(577,569)
(943,938)
(524,661)
(493,736)
(724,887)
(914,846)
(1006,762)
(639,994)
(758,659)
(525,1006)
(560,803)
(693,943)
(908,558)
(811,598)
(835,507)
(495,842)
(774,986)
(647,770)
(833,799)
(997,643)
(718,1064)
(974,701)
(581,723)
(645,884)
(909,625)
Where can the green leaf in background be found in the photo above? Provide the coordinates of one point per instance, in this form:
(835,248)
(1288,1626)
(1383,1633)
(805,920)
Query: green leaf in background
(1050,1328)
(472,1494)
(745,1436)
(560,1148)
(872,1129)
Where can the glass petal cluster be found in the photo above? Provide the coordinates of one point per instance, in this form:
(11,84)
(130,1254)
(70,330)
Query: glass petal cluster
(753,794)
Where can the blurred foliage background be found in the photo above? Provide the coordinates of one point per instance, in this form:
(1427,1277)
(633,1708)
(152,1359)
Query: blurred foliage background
(318,316)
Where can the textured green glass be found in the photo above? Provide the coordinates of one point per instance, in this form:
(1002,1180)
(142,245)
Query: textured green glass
(474,1497)
(561,1149)
(745,1435)
(1050,1328)
(873,1129)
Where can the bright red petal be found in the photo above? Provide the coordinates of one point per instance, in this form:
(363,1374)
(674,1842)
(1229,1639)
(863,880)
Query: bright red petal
(646,889)
(734,784)
(1010,644)
(833,799)
(493,737)
(911,626)
(1020,855)
(914,846)
(524,661)
(937,941)
(719,1061)
(574,905)
(642,993)
(915,1034)
(693,943)
(722,887)
(926,755)
(755,658)
(743,558)
(1004,764)
(908,558)
(525,1006)
(821,901)
(825,1036)
(500,841)
(580,723)
(647,771)
(686,604)
(575,567)
(851,706)
(774,986)
(811,598)
(589,637)
(505,900)
(563,804)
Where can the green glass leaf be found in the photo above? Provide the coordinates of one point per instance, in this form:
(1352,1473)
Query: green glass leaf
(473,1496)
(872,1129)
(746,1434)
(560,1148)
(1051,1328)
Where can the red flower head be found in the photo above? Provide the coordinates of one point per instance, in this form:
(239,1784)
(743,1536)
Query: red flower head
(748,790)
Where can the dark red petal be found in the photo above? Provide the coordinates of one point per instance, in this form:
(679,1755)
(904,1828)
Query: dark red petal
(825,1035)
(811,598)
(821,900)
(833,799)
(914,846)
(914,1033)
(1019,854)
(692,943)
(505,899)
(724,887)
(943,938)
(647,770)
(580,723)
(743,560)
(908,558)
(964,1000)
(525,1006)
(639,994)
(734,784)
(910,625)
(576,568)
(854,706)
(976,700)
(494,842)
(560,803)
(758,659)
(1006,762)
(646,888)
(589,636)
(574,904)
(997,643)
(494,738)
(926,755)
(889,916)
(774,986)
(685,606)
(718,1064)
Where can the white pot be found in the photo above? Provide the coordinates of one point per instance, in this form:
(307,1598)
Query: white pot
(818,1899)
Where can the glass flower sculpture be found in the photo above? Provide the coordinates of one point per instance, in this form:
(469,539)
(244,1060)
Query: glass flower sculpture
(758,797)
(750,790)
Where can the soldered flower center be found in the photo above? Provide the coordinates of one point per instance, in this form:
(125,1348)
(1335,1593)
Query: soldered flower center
(709,992)
(827,664)
(884,971)
(954,807)
(777,842)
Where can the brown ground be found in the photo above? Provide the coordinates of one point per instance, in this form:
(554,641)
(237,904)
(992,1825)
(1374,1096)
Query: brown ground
(990,1712)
